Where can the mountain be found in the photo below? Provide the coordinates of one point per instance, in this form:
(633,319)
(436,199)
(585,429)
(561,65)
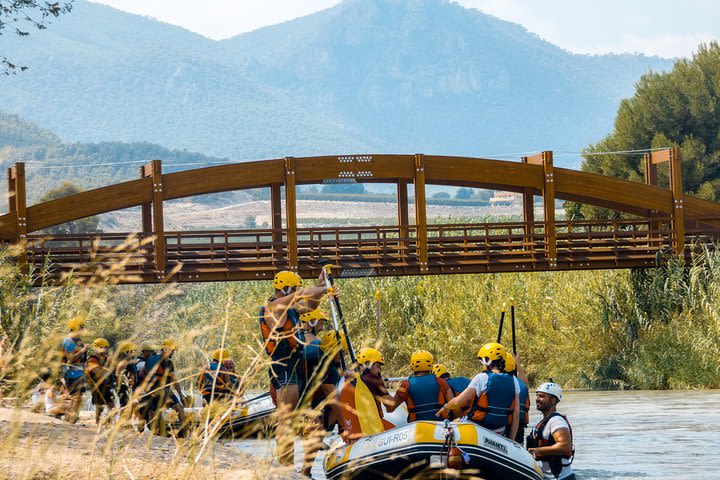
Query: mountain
(364,76)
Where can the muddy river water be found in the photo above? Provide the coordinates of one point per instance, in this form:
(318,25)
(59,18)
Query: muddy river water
(627,435)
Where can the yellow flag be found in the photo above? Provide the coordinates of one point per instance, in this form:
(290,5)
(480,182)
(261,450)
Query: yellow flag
(367,412)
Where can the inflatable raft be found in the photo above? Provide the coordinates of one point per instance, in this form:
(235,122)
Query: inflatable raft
(252,417)
(422,448)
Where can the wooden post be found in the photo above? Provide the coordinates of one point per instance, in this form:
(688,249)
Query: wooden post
(154,169)
(528,212)
(672,156)
(549,209)
(276,212)
(678,219)
(650,170)
(291,214)
(420,212)
(146,207)
(402,212)
(17,202)
(652,180)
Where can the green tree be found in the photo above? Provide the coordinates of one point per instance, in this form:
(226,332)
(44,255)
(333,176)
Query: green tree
(441,196)
(22,15)
(677,108)
(84,225)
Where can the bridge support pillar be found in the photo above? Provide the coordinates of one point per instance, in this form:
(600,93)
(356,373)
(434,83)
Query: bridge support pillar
(402,213)
(652,180)
(546,160)
(672,156)
(17,202)
(678,207)
(146,208)
(291,214)
(421,212)
(528,215)
(154,170)
(276,212)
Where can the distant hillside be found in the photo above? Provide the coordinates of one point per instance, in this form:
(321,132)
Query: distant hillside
(49,162)
(365,76)
(15,132)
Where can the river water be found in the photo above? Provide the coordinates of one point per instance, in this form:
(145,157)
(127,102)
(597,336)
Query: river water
(627,435)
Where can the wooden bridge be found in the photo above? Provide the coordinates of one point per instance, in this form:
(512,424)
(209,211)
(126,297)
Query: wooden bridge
(665,222)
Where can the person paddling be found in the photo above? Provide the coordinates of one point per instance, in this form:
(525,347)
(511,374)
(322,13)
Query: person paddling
(423,392)
(493,393)
(100,378)
(370,362)
(514,368)
(214,382)
(74,352)
(280,326)
(457,384)
(551,439)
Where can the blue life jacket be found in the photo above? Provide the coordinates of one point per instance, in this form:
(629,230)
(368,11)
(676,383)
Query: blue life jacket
(492,407)
(424,398)
(312,351)
(458,384)
(524,404)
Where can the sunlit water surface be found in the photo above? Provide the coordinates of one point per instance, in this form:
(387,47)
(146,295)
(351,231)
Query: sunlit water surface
(624,435)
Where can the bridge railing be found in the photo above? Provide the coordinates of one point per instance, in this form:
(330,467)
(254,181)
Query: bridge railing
(384,249)
(115,253)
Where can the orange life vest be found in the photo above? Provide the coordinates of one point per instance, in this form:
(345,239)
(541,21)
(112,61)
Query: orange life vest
(283,340)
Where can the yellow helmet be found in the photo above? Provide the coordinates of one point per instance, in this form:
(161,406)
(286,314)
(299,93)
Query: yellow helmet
(370,355)
(100,344)
(286,279)
(509,363)
(329,343)
(313,317)
(126,347)
(491,351)
(422,361)
(439,370)
(220,354)
(76,324)
(169,344)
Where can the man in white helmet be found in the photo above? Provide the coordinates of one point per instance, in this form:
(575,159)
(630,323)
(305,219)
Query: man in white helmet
(550,441)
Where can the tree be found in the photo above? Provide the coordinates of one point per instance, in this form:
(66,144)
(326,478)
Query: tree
(84,225)
(677,108)
(21,16)
(441,196)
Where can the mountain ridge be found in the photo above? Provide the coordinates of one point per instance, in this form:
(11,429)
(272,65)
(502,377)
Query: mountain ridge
(363,76)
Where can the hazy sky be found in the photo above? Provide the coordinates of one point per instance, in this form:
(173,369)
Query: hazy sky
(667,28)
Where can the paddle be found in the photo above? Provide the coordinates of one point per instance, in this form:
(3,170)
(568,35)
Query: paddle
(377,313)
(334,315)
(502,319)
(337,310)
(259,397)
(512,323)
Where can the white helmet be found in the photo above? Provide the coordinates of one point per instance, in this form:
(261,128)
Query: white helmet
(551,388)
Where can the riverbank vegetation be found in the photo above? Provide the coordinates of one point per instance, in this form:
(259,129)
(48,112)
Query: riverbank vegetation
(616,329)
